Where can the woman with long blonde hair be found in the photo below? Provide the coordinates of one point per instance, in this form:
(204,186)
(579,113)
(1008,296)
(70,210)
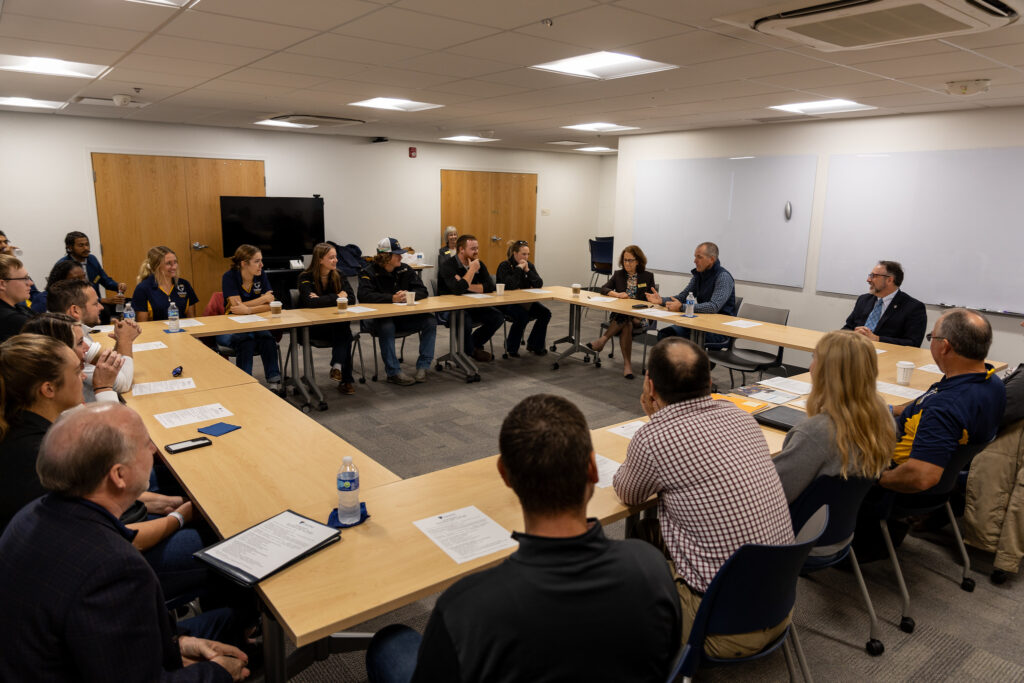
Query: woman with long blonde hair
(159,285)
(850,432)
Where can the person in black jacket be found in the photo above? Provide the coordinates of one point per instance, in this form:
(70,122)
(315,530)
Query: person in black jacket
(631,281)
(466,273)
(518,273)
(386,280)
(319,286)
(15,285)
(886,313)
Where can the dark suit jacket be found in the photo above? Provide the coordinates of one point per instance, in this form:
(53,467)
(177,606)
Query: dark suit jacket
(81,604)
(904,321)
(617,283)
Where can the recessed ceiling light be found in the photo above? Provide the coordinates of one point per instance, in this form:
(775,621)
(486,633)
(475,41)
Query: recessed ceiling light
(470,138)
(30,103)
(596,149)
(50,67)
(604,66)
(739,158)
(601,127)
(283,124)
(823,107)
(164,3)
(568,143)
(395,104)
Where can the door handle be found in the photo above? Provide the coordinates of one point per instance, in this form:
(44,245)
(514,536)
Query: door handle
(197,246)
(495,238)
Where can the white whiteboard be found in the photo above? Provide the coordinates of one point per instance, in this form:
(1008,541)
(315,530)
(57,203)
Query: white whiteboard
(953,219)
(736,203)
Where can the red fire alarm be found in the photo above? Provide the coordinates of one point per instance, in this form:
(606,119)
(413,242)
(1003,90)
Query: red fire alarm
(412,152)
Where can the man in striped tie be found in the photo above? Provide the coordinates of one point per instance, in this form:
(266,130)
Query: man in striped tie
(886,313)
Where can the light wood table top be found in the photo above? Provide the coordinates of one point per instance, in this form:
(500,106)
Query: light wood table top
(279,459)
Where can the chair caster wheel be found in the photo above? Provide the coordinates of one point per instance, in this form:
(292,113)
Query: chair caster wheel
(362,380)
(967,585)
(586,359)
(553,348)
(322,406)
(505,355)
(907,625)
(439,367)
(874,647)
(305,408)
(555,366)
(597,363)
(998,577)
(611,354)
(374,378)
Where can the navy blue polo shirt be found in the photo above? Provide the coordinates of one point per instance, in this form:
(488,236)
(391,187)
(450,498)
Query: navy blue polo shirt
(149,298)
(231,285)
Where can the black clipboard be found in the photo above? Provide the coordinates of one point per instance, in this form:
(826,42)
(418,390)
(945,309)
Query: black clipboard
(780,417)
(245,578)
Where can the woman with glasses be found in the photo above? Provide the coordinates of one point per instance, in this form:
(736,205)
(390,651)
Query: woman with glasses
(631,281)
(516,272)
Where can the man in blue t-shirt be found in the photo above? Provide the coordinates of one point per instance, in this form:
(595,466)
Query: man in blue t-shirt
(964,407)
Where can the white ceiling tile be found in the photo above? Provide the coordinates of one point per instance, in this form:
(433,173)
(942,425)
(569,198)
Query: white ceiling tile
(109,87)
(1012,55)
(184,67)
(172,113)
(352,49)
(761,64)
(478,88)
(530,79)
(220,85)
(308,66)
(908,99)
(498,13)
(1008,35)
(53,31)
(399,77)
(276,78)
(143,78)
(855,91)
(113,13)
(220,53)
(34,48)
(605,28)
(878,54)
(414,28)
(803,80)
(931,64)
(234,31)
(451,65)
(39,87)
(693,48)
(518,49)
(312,14)
(95,112)
(998,77)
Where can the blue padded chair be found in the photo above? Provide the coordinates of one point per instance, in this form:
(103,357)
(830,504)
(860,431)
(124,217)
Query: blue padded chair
(602,259)
(755,589)
(843,497)
(907,504)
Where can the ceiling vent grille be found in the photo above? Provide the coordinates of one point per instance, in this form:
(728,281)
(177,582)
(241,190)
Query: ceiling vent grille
(862,24)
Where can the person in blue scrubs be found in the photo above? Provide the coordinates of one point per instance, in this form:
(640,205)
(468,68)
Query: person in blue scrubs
(159,285)
(247,290)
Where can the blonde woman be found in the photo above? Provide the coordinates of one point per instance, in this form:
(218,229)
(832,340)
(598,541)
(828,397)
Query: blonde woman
(159,285)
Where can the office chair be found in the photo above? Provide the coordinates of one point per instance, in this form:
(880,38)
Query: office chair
(750,358)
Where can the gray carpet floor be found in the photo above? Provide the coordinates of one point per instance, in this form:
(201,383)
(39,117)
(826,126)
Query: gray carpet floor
(412,430)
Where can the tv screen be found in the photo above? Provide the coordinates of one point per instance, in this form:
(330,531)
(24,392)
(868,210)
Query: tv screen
(282,227)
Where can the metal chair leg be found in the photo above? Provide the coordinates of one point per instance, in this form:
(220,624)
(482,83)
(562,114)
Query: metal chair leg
(801,660)
(874,646)
(906,621)
(966,582)
(789,660)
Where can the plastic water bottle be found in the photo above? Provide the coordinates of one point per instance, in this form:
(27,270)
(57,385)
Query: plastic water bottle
(348,492)
(129,312)
(691,301)
(172,318)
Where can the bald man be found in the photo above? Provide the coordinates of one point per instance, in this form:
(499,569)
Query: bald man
(79,602)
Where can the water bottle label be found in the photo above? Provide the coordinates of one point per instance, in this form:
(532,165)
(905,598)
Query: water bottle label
(348,484)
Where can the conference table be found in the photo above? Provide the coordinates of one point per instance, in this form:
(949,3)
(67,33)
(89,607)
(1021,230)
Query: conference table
(281,459)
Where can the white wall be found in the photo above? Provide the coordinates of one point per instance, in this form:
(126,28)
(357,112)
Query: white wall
(952,130)
(370,190)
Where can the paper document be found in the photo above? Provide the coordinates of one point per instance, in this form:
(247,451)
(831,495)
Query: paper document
(898,390)
(773,396)
(629,429)
(658,312)
(406,303)
(601,299)
(101,329)
(187,416)
(794,386)
(742,323)
(160,387)
(802,403)
(148,346)
(261,550)
(538,291)
(360,309)
(466,534)
(879,351)
(247,318)
(474,295)
(606,469)
(186,322)
(931,367)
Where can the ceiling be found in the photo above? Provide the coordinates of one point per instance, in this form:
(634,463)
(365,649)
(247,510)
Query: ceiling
(232,62)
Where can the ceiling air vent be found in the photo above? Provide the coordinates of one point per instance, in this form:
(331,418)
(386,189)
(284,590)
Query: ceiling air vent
(316,120)
(862,24)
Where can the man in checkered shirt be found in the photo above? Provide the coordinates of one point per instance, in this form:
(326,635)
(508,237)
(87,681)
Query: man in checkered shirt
(717,489)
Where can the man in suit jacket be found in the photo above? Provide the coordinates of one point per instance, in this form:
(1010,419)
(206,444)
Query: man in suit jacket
(886,313)
(79,602)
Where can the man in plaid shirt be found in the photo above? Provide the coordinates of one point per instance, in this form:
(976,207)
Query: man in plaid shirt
(717,489)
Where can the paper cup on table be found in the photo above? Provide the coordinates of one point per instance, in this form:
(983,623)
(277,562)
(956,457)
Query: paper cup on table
(501,288)
(576,287)
(342,303)
(275,307)
(904,369)
(410,298)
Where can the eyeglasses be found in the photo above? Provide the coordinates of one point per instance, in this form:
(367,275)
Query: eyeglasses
(931,336)
(629,260)
(873,275)
(13,279)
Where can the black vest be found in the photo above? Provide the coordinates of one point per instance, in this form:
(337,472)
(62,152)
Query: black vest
(704,287)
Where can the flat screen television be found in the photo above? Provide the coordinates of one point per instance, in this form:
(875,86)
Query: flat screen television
(282,227)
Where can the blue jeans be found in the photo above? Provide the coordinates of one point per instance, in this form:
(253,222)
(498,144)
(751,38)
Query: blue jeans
(520,317)
(220,624)
(181,577)
(246,344)
(391,657)
(385,330)
(339,336)
(711,341)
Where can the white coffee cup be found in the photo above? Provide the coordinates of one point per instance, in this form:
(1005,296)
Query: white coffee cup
(410,298)
(904,369)
(576,287)
(275,307)
(501,288)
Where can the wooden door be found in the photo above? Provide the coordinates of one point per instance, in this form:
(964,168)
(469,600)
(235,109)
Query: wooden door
(495,207)
(207,180)
(140,203)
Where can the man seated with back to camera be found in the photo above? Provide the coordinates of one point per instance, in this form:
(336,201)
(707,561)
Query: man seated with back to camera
(466,273)
(567,593)
(385,280)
